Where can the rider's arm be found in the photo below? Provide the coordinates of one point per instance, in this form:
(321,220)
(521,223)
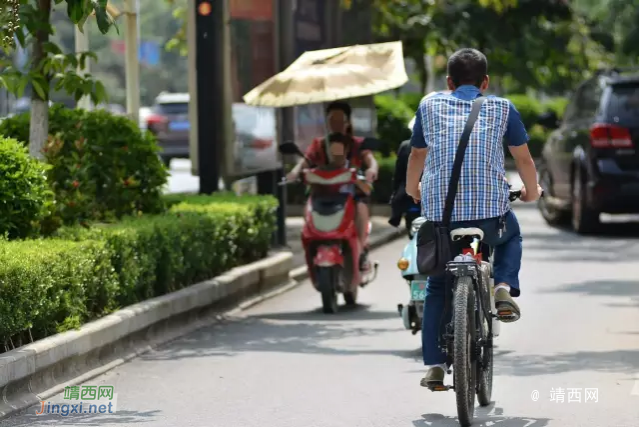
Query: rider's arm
(311,154)
(369,161)
(299,166)
(517,139)
(418,153)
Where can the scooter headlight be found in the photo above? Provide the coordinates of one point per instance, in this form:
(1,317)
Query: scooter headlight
(403,264)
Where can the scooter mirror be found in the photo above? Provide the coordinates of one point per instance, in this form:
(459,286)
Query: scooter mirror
(371,144)
(290,148)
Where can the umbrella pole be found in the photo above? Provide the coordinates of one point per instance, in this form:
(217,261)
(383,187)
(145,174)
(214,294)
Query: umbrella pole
(329,156)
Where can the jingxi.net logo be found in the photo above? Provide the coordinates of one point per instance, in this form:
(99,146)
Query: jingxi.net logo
(82,400)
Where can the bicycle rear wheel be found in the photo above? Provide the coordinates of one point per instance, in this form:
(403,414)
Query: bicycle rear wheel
(464,364)
(485,368)
(485,377)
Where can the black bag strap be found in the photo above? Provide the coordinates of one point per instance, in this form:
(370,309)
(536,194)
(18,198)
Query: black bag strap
(459,159)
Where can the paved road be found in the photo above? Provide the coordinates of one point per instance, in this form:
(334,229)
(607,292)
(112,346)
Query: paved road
(284,364)
(181,180)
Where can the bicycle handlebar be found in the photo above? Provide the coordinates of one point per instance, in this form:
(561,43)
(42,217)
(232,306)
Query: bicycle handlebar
(516,194)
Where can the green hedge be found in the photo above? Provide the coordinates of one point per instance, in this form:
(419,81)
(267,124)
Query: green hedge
(530,109)
(25,197)
(393,116)
(55,284)
(101,166)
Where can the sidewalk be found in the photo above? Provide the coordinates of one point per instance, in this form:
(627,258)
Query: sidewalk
(294,229)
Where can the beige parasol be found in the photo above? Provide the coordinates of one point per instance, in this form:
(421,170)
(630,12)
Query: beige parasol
(332,74)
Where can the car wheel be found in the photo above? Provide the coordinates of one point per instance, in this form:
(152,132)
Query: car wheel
(551,214)
(584,219)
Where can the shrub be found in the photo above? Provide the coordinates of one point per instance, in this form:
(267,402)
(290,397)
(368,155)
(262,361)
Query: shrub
(529,108)
(393,116)
(102,166)
(412,100)
(25,197)
(538,136)
(51,285)
(558,105)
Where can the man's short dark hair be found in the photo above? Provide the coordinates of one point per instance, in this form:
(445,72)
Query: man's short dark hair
(467,67)
(339,106)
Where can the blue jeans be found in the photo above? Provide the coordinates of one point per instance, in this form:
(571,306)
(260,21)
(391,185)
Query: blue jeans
(507,262)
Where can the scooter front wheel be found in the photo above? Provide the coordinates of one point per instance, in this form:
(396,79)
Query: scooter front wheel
(327,284)
(350,297)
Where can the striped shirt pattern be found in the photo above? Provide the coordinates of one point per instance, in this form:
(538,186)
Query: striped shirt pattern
(483,190)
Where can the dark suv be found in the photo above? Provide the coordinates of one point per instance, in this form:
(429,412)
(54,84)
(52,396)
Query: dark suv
(590,163)
(169,122)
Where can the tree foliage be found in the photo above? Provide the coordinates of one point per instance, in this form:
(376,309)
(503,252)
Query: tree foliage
(616,24)
(529,43)
(49,68)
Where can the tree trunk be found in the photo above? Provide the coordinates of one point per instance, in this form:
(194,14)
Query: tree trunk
(39,125)
(421,70)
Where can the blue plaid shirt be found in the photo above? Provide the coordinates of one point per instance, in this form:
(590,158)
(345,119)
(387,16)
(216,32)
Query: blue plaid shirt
(483,190)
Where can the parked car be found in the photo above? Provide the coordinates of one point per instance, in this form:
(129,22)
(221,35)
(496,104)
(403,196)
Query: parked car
(255,134)
(590,163)
(169,122)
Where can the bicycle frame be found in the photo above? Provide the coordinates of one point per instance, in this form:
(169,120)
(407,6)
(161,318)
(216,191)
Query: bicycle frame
(471,268)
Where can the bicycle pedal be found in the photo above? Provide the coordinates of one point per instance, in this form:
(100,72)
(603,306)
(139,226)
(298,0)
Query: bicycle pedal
(439,387)
(507,316)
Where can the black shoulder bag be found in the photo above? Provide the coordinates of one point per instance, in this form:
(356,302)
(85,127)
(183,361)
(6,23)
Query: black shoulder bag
(434,245)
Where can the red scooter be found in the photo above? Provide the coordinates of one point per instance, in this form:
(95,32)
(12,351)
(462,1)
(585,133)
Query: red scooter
(329,236)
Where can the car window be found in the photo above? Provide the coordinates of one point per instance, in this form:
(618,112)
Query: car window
(623,105)
(589,99)
(172,108)
(571,109)
(254,121)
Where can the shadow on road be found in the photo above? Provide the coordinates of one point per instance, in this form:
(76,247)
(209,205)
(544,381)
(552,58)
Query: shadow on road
(627,289)
(615,244)
(29,418)
(617,288)
(303,333)
(484,416)
(345,314)
(602,361)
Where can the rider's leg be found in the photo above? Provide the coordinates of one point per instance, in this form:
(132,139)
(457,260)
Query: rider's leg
(434,357)
(507,261)
(362,222)
(508,255)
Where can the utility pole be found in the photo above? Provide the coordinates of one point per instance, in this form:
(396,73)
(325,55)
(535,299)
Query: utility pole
(212,103)
(132,63)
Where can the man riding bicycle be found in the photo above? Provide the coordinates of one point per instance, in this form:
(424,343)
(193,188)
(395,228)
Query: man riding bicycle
(338,118)
(482,196)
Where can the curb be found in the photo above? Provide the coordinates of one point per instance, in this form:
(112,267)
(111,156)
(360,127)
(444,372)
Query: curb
(42,369)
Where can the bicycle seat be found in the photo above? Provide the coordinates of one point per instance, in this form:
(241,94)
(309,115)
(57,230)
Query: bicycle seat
(460,233)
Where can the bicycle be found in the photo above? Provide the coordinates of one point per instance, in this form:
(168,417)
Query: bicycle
(468,339)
